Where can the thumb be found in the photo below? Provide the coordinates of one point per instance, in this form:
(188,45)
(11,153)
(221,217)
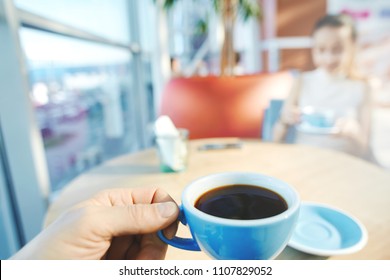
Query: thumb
(138,218)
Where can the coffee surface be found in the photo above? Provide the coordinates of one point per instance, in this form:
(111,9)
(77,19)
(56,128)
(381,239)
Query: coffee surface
(241,202)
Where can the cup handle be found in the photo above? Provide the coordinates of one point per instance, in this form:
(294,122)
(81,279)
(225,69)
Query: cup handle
(179,242)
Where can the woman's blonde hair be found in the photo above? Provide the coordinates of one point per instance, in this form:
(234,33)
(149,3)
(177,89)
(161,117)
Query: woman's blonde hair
(340,21)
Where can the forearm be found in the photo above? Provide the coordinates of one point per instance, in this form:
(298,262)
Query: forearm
(352,130)
(280,132)
(362,142)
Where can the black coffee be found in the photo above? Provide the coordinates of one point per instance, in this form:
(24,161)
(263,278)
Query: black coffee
(241,202)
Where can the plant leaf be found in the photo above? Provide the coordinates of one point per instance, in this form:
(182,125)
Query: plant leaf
(249,9)
(169,4)
(202,26)
(217,6)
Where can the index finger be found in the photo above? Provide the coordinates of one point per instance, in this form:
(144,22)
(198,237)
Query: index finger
(150,195)
(126,196)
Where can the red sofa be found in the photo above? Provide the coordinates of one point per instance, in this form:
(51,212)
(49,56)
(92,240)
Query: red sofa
(223,106)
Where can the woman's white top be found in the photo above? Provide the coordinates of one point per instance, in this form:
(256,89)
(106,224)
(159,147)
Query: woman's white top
(338,96)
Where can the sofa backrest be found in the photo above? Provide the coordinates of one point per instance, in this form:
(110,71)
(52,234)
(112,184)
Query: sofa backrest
(223,106)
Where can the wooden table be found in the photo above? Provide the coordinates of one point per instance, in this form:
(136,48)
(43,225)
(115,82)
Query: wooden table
(325,176)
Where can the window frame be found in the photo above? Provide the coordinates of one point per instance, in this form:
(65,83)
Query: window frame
(19,126)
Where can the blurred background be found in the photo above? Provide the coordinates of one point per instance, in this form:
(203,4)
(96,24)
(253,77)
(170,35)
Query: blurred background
(81,81)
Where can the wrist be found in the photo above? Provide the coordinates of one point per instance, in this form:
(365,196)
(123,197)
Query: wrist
(283,122)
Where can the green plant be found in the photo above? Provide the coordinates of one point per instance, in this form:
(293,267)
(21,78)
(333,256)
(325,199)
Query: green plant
(228,10)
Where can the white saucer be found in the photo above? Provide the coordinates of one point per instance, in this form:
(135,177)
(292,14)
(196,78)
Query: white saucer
(307,128)
(325,231)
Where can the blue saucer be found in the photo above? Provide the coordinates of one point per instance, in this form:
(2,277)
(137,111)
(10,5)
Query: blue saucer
(325,231)
(307,128)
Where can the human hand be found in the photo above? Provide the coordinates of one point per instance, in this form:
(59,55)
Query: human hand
(348,127)
(115,224)
(291,116)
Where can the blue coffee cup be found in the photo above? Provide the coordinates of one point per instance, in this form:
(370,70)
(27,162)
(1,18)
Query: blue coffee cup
(324,118)
(230,239)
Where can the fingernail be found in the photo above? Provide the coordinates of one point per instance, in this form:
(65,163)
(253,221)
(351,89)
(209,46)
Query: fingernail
(167,209)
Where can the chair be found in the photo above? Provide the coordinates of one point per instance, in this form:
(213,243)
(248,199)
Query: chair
(223,106)
(271,116)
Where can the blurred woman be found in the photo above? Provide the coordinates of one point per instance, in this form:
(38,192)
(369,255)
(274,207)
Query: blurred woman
(331,105)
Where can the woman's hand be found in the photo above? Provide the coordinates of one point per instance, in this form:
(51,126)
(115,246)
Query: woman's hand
(291,115)
(349,128)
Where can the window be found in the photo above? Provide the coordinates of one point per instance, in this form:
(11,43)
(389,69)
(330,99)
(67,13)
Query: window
(89,95)
(81,93)
(106,18)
